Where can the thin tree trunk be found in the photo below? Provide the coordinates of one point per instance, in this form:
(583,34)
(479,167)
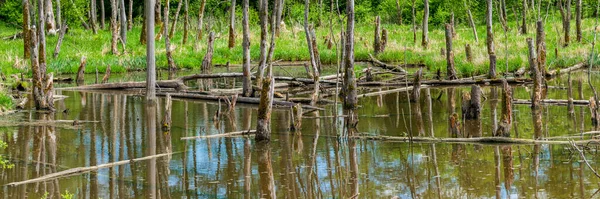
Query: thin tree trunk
(49,15)
(130,17)
(565,12)
(414,22)
(578,20)
(232,24)
(114,28)
(450,70)
(186,22)
(170,61)
(61,36)
(94,15)
(207,61)
(425,37)
(537,77)
(490,40)
(279,17)
(350,91)
(200,20)
(123,21)
(149,9)
(58,13)
(174,24)
(42,84)
(143,33)
(524,18)
(399,8)
(540,43)
(471,22)
(247,80)
(314,61)
(263,42)
(26,32)
(377,39)
(81,71)
(102,17)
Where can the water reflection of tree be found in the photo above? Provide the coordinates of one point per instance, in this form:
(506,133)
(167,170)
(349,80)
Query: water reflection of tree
(265,170)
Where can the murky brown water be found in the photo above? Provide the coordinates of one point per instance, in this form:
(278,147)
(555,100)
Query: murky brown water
(313,163)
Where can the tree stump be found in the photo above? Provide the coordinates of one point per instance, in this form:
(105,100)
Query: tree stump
(81,71)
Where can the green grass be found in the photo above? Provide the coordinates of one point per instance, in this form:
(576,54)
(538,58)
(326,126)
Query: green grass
(291,46)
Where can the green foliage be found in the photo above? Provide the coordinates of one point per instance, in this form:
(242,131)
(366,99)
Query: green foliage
(11,11)
(4,164)
(67,195)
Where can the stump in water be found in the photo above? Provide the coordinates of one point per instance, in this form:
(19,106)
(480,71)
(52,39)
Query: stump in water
(416,91)
(166,122)
(455,126)
(296,115)
(506,121)
(570,106)
(536,75)
(471,105)
(469,53)
(263,124)
(594,112)
(106,75)
(206,67)
(81,71)
(540,44)
(450,70)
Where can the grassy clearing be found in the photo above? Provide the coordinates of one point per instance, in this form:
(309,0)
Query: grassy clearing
(291,47)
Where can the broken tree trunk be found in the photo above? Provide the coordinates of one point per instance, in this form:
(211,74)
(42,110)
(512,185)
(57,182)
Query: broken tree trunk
(471,105)
(350,90)
(416,91)
(166,122)
(471,22)
(524,18)
(450,70)
(61,36)
(206,67)
(506,121)
(247,80)
(540,43)
(81,71)
(490,40)
(27,21)
(537,76)
(469,53)
(316,68)
(114,27)
(380,64)
(232,25)
(263,124)
(377,39)
(565,12)
(425,37)
(170,61)
(296,115)
(106,75)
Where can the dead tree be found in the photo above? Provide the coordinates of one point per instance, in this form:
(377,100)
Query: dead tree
(113,27)
(313,52)
(450,70)
(502,14)
(471,21)
(107,75)
(469,53)
(540,43)
(416,91)
(206,67)
(537,76)
(350,92)
(377,39)
(130,16)
(455,126)
(81,71)
(506,121)
(490,40)
(565,12)
(186,21)
(414,22)
(174,24)
(384,39)
(200,20)
(150,50)
(452,24)
(170,61)
(123,22)
(27,22)
(578,20)
(399,8)
(524,18)
(143,32)
(263,14)
(61,36)
(247,80)
(102,17)
(42,83)
(166,121)
(232,25)
(425,37)
(49,16)
(471,105)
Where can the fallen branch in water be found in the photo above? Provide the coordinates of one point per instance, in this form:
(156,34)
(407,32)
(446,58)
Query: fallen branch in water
(380,64)
(492,140)
(554,102)
(236,133)
(83,170)
(245,100)
(409,88)
(575,67)
(583,157)
(464,81)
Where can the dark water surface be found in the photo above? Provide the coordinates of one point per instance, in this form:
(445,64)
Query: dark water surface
(312,163)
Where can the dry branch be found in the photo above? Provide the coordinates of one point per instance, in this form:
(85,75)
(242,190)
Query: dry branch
(236,133)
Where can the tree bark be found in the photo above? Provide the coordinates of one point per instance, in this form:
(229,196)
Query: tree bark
(143,32)
(506,121)
(81,71)
(565,12)
(247,80)
(537,77)
(114,28)
(450,70)
(540,43)
(416,91)
(425,36)
(58,14)
(524,18)
(377,39)
(102,17)
(263,12)
(472,22)
(578,20)
(170,61)
(26,29)
(42,83)
(399,9)
(263,124)
(107,76)
(279,17)
(207,61)
(414,22)
(232,24)
(469,53)
(350,91)
(313,53)
(94,15)
(174,24)
(149,9)
(490,40)
(200,20)
(123,21)
(49,15)
(186,21)
(130,16)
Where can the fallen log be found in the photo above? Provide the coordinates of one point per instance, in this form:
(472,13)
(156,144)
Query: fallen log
(380,64)
(245,100)
(559,102)
(308,100)
(485,140)
(236,133)
(84,170)
(409,88)
(556,72)
(450,82)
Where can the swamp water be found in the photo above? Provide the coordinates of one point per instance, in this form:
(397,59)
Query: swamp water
(311,163)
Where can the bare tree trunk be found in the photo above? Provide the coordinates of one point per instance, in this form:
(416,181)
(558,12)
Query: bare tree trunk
(414,22)
(61,36)
(312,51)
(207,61)
(149,9)
(49,15)
(58,13)
(200,20)
(186,21)
(42,83)
(565,12)
(114,28)
(537,77)
(524,18)
(174,24)
(102,26)
(130,17)
(279,17)
(450,70)
(81,71)
(143,33)
(107,76)
(425,37)
(123,21)
(469,53)
(94,15)
(490,40)
(232,25)
(170,61)
(578,20)
(26,29)
(471,22)
(399,8)
(506,121)
(350,92)
(247,80)
(540,43)
(158,15)
(377,39)
(263,42)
